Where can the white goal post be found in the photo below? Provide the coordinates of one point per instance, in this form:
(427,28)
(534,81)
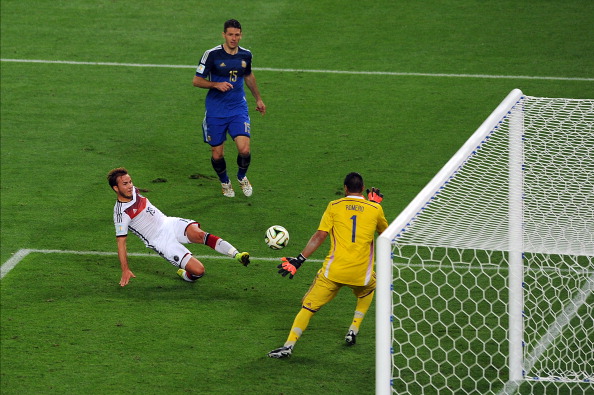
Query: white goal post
(485,281)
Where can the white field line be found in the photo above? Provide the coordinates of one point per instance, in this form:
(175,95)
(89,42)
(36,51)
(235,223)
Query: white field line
(381,73)
(13,261)
(21,254)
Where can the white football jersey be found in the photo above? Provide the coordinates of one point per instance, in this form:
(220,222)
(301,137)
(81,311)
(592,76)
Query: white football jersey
(139,216)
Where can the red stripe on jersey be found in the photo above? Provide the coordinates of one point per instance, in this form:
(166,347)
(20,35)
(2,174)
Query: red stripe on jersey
(138,206)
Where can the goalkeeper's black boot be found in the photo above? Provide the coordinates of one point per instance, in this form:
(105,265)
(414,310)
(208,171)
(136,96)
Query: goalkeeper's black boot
(351,338)
(281,352)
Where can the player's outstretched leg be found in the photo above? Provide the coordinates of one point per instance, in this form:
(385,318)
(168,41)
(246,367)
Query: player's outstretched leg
(224,247)
(299,326)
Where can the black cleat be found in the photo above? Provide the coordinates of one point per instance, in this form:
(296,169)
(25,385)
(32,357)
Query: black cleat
(350,338)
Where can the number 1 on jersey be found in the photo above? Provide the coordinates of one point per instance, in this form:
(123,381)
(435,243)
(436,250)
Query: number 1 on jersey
(354,218)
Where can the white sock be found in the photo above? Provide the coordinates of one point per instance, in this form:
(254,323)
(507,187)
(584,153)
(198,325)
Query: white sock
(225,248)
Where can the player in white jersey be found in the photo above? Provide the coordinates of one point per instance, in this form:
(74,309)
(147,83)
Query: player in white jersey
(165,235)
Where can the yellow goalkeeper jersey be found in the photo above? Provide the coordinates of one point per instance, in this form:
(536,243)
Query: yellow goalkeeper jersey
(351,223)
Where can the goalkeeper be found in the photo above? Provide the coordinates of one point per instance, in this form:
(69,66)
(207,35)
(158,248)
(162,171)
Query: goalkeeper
(351,223)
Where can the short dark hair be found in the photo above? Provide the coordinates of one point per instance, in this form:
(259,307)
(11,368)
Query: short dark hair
(112,176)
(231,23)
(354,182)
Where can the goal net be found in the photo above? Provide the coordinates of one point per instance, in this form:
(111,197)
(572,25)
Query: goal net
(486,280)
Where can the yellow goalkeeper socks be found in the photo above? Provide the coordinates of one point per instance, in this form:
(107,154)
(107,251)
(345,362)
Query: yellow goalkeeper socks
(360,311)
(299,326)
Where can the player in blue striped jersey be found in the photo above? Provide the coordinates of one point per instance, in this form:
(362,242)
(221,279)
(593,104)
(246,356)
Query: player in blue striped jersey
(223,71)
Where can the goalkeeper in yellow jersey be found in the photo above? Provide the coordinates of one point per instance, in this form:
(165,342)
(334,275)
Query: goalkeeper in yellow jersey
(351,222)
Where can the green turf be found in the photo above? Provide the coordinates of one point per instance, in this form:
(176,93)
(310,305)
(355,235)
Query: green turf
(82,333)
(67,327)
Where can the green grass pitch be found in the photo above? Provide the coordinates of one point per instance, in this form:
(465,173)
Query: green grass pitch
(67,326)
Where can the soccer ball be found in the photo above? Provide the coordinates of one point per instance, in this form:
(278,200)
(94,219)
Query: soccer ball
(277,237)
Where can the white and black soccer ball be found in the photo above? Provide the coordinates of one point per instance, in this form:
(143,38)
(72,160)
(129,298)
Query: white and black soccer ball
(277,237)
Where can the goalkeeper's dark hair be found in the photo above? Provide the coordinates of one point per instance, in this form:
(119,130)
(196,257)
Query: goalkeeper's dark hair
(112,176)
(231,23)
(354,182)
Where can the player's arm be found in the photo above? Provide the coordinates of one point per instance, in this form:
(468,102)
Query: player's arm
(123,257)
(382,225)
(250,81)
(314,243)
(203,83)
(382,222)
(290,265)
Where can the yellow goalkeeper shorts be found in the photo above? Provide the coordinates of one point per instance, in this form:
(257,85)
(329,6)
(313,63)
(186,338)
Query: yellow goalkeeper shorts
(323,290)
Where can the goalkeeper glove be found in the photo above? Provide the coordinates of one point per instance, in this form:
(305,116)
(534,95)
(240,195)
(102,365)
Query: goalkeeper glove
(374,195)
(290,265)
